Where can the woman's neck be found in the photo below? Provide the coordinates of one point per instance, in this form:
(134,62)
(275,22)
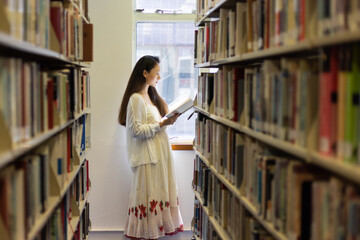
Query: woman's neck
(144,93)
(145,90)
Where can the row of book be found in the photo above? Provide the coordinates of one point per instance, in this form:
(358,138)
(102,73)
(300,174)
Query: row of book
(55,25)
(308,102)
(201,225)
(255,25)
(60,221)
(299,199)
(35,100)
(84,225)
(27,20)
(284,191)
(29,187)
(224,207)
(223,147)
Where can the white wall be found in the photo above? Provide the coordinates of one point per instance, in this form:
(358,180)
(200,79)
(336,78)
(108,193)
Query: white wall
(109,170)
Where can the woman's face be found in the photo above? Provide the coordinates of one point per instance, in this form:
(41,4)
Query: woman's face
(153,77)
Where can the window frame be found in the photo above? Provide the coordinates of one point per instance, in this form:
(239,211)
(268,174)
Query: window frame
(140,17)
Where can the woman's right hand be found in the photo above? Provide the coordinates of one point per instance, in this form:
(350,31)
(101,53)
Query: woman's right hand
(169,121)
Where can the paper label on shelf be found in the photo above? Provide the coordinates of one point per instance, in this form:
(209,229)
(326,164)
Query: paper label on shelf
(348,149)
(267,127)
(272,129)
(253,123)
(292,135)
(282,133)
(327,25)
(340,149)
(301,139)
(324,144)
(340,21)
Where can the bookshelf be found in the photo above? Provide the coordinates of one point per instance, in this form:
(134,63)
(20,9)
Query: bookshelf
(45,119)
(277,127)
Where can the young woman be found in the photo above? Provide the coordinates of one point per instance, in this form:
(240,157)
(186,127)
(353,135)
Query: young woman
(153,205)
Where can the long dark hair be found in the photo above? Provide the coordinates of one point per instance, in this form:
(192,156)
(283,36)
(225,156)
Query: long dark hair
(137,82)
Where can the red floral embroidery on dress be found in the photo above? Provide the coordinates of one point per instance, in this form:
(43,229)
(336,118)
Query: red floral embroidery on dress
(167,204)
(161,205)
(161,228)
(153,204)
(136,212)
(142,210)
(155,212)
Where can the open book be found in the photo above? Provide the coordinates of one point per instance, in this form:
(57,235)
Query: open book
(179,105)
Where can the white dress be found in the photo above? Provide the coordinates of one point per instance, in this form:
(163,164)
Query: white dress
(153,205)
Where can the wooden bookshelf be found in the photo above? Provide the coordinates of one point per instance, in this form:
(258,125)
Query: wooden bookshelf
(251,66)
(28,122)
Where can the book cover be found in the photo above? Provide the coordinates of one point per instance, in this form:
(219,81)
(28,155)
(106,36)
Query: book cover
(179,105)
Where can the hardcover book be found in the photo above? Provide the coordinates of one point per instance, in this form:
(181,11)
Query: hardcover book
(179,105)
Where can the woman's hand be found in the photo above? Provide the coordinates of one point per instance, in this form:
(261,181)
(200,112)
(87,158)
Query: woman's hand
(169,121)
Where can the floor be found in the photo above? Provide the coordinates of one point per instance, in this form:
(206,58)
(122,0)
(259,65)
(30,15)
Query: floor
(110,235)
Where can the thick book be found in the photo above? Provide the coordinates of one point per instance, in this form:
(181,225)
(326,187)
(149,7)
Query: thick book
(179,105)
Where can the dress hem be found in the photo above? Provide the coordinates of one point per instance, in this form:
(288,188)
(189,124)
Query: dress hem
(177,230)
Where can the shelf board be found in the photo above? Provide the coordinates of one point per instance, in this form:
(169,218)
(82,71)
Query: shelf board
(307,45)
(202,111)
(346,170)
(6,41)
(268,226)
(53,203)
(23,148)
(226,122)
(290,148)
(10,42)
(206,65)
(339,38)
(218,228)
(203,158)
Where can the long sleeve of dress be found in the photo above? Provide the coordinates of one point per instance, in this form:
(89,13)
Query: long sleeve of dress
(140,133)
(136,119)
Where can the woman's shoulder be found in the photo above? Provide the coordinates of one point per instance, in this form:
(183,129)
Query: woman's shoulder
(136,98)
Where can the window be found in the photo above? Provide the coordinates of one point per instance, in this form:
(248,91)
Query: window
(173,42)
